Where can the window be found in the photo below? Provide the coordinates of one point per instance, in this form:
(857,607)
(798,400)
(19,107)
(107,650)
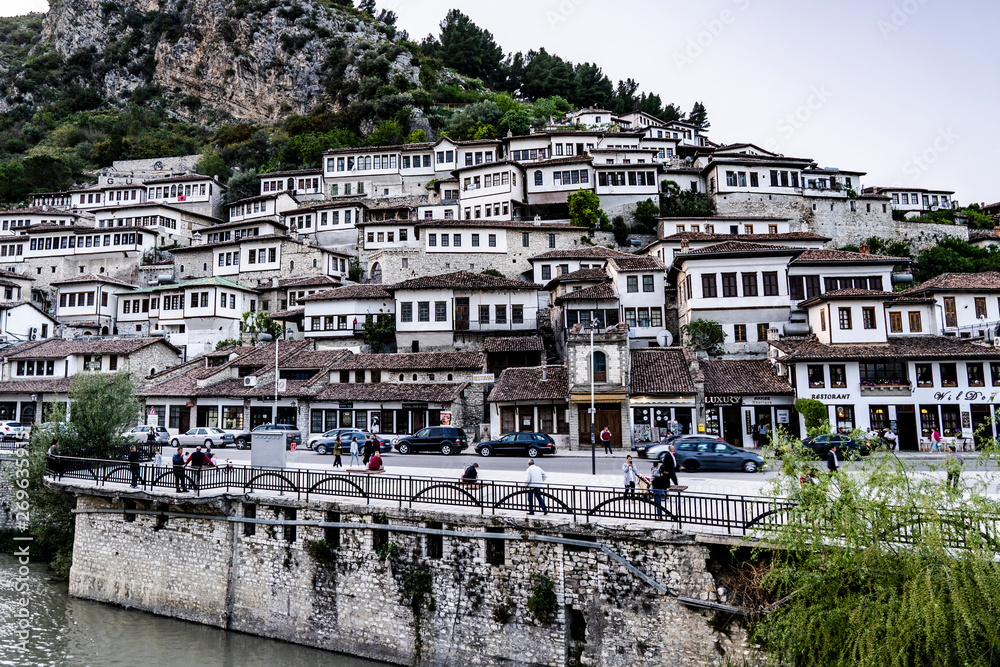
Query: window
(770,283)
(655,317)
(749,284)
(729,288)
(817,378)
(524,239)
(915,325)
(432,240)
(599,366)
(762,331)
(546,272)
(632,283)
(868,317)
(995,373)
(647,283)
(493,240)
(845,318)
(895,322)
(501,314)
(740,333)
(838,376)
(980,307)
(440,311)
(538,178)
(475,240)
(406,312)
(949,375)
(708,287)
(975,374)
(423,311)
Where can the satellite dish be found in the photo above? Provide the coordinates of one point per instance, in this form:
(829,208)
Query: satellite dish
(935,208)
(665,338)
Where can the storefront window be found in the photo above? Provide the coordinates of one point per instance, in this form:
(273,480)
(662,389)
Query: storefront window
(975,372)
(928,420)
(880,417)
(546,422)
(712,420)
(845,418)
(838,376)
(232,417)
(880,374)
(346,419)
(951,421)
(562,425)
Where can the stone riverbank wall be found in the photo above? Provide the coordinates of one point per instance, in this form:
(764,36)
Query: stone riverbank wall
(404,598)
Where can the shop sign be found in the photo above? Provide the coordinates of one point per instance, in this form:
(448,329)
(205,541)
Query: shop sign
(414,406)
(831,397)
(346,406)
(959,395)
(723,400)
(759,400)
(782,416)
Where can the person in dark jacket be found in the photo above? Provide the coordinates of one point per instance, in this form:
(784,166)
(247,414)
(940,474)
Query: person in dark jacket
(133,464)
(832,463)
(370,448)
(660,483)
(338,451)
(180,481)
(55,465)
(197,461)
(669,466)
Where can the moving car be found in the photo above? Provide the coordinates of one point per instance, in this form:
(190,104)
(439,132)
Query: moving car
(12,431)
(445,439)
(524,444)
(209,436)
(324,445)
(709,453)
(141,434)
(847,447)
(657,450)
(292,435)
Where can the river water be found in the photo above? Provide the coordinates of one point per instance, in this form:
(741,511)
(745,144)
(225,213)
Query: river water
(68,632)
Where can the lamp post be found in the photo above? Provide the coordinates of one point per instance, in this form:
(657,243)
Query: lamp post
(596,324)
(264,338)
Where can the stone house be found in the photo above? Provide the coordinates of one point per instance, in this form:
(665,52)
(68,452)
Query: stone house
(531,399)
(89,303)
(609,366)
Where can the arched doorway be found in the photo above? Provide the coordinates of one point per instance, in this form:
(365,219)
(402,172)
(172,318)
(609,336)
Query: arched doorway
(377,273)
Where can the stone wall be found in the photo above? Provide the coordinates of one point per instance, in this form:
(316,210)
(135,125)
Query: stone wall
(7,464)
(474,610)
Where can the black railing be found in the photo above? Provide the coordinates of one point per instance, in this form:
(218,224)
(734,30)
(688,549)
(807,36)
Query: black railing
(729,514)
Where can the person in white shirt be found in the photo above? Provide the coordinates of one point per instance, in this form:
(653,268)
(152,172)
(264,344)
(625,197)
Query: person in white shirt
(536,477)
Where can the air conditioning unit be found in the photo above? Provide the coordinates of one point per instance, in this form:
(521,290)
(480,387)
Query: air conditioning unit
(250,381)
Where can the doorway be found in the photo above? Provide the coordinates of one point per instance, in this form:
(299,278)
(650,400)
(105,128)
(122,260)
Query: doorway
(982,424)
(608,415)
(259,415)
(732,425)
(906,427)
(462,313)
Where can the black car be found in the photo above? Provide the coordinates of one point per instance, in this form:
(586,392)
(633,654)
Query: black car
(524,444)
(444,439)
(709,453)
(292,435)
(847,447)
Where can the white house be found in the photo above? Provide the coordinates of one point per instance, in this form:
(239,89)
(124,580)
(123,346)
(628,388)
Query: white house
(191,192)
(964,304)
(639,281)
(89,303)
(916,201)
(337,316)
(22,321)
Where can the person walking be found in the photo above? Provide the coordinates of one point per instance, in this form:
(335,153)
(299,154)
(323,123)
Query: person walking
(133,464)
(660,483)
(762,433)
(935,441)
(355,459)
(338,450)
(369,449)
(630,477)
(669,466)
(197,461)
(54,462)
(954,466)
(606,441)
(535,478)
(832,463)
(180,481)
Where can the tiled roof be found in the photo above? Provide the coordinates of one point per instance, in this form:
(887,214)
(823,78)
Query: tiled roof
(637,263)
(294,172)
(31,210)
(946,282)
(197,282)
(743,377)
(314,358)
(526,384)
(513,344)
(93,278)
(290,314)
(37,386)
(308,281)
(754,238)
(580,275)
(392,391)
(738,246)
(4,273)
(242,223)
(564,160)
(249,239)
(900,348)
(579,253)
(422,361)
(464,280)
(850,293)
(604,291)
(664,370)
(349,292)
(500,224)
(824,255)
(264,356)
(179,179)
(975,237)
(59,348)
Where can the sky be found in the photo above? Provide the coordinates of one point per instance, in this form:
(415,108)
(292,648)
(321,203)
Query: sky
(904,90)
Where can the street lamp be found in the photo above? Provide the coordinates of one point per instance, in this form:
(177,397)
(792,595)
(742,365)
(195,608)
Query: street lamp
(265,338)
(595,324)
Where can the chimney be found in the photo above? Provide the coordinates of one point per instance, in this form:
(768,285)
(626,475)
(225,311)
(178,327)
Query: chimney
(864,249)
(996,231)
(545,374)
(684,245)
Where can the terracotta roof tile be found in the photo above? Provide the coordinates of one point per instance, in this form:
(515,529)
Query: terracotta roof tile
(743,377)
(37,386)
(820,255)
(737,246)
(93,278)
(308,281)
(661,371)
(900,348)
(637,263)
(59,348)
(987,280)
(392,391)
(513,344)
(526,384)
(289,314)
(349,292)
(604,291)
(464,280)
(414,361)
(579,253)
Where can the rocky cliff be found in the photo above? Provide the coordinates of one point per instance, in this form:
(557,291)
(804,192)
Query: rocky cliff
(254,60)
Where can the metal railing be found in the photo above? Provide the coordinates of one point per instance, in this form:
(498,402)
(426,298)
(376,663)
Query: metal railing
(728,514)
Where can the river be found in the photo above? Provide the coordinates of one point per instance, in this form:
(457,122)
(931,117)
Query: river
(68,632)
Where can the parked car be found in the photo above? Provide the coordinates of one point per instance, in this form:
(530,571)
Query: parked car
(444,439)
(523,444)
(324,445)
(847,447)
(141,434)
(709,453)
(209,436)
(292,435)
(12,431)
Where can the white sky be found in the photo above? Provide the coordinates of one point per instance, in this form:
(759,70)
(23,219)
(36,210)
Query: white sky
(902,89)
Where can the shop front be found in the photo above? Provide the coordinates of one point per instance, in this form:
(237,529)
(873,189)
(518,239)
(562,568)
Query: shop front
(656,417)
(736,418)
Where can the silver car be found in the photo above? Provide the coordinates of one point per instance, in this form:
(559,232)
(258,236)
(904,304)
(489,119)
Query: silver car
(141,434)
(209,436)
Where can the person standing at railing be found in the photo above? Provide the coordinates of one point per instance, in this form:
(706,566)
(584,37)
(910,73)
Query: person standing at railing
(180,481)
(536,477)
(630,476)
(55,464)
(133,464)
(196,460)
(355,459)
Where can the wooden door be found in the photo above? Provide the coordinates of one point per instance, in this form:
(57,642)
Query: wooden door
(906,427)
(950,314)
(184,420)
(609,416)
(462,314)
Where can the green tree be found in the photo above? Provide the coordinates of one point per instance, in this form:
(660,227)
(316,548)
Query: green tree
(814,412)
(620,230)
(241,185)
(102,406)
(949,256)
(379,332)
(213,165)
(699,116)
(516,122)
(704,335)
(386,133)
(418,136)
(645,215)
(546,75)
(584,208)
(469,49)
(685,203)
(493,272)
(256,323)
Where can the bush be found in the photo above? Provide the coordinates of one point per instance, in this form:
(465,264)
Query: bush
(704,335)
(620,230)
(813,411)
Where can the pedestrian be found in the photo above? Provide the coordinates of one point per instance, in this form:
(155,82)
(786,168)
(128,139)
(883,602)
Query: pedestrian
(630,476)
(338,450)
(669,466)
(832,463)
(180,481)
(197,461)
(954,465)
(375,462)
(158,457)
(471,475)
(935,441)
(606,441)
(151,436)
(660,483)
(369,449)
(133,464)
(355,459)
(54,461)
(654,471)
(765,429)
(535,478)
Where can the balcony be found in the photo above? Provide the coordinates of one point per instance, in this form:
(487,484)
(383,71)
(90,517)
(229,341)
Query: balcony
(887,390)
